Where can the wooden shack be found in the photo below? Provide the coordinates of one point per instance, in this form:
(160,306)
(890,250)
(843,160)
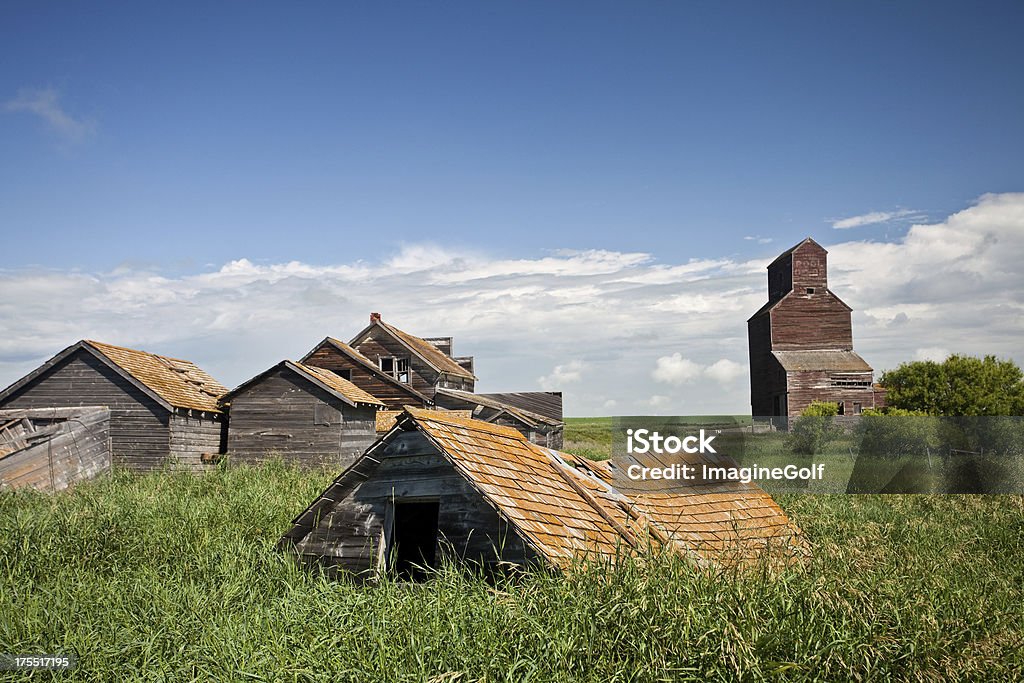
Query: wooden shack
(397,367)
(437,485)
(801,342)
(542,429)
(163,411)
(300,413)
(50,449)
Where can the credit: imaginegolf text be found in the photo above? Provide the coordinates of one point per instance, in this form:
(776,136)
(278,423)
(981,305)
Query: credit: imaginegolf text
(642,441)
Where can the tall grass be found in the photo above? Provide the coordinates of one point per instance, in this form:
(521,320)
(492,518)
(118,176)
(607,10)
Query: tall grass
(173,577)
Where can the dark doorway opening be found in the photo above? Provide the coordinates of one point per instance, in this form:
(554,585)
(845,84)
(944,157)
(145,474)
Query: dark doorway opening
(414,539)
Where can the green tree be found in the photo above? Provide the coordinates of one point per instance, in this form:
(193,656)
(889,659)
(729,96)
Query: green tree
(960,385)
(814,429)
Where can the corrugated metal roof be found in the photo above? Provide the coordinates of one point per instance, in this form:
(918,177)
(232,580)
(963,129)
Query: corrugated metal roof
(526,417)
(545,403)
(836,361)
(181,383)
(341,385)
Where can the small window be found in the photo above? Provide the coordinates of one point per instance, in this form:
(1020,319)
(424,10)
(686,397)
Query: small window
(856,408)
(396,367)
(842,408)
(344,374)
(810,290)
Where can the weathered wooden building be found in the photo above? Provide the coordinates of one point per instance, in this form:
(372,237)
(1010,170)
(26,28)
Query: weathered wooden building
(511,410)
(50,449)
(397,367)
(162,410)
(801,342)
(300,413)
(440,485)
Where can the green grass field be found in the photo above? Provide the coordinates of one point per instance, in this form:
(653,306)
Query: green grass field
(173,577)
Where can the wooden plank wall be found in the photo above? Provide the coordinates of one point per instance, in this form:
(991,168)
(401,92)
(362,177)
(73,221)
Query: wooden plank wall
(67,447)
(138,424)
(422,377)
(805,387)
(350,534)
(278,416)
(811,321)
(330,358)
(193,436)
(767,377)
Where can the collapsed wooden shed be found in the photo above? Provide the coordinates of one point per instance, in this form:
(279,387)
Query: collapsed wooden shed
(300,413)
(50,449)
(163,411)
(439,485)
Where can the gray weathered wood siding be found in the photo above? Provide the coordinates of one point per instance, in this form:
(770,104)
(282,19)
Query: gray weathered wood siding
(351,535)
(394,396)
(65,448)
(377,343)
(138,424)
(811,321)
(193,436)
(285,415)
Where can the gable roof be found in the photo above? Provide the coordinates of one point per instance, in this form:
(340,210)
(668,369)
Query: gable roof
(171,382)
(565,509)
(366,363)
(836,361)
(527,417)
(427,352)
(339,387)
(806,240)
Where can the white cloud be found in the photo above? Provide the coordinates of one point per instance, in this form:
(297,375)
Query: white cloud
(568,373)
(725,371)
(675,369)
(594,322)
(931,353)
(45,103)
(873,218)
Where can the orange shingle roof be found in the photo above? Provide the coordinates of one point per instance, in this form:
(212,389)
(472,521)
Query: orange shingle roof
(430,353)
(181,383)
(569,507)
(340,385)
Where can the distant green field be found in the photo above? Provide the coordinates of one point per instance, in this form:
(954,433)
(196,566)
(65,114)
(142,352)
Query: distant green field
(174,577)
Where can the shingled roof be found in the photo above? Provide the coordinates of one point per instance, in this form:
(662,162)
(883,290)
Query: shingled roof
(430,354)
(325,379)
(566,508)
(173,382)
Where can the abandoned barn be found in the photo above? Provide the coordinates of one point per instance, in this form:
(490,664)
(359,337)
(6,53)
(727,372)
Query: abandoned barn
(437,485)
(50,449)
(801,342)
(543,430)
(163,411)
(300,413)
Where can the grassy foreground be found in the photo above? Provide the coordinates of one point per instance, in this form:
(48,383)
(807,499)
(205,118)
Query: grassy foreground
(170,577)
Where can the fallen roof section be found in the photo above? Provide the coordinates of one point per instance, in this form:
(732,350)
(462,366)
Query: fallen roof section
(567,508)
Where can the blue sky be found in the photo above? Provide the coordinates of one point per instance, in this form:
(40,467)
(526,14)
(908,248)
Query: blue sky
(170,141)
